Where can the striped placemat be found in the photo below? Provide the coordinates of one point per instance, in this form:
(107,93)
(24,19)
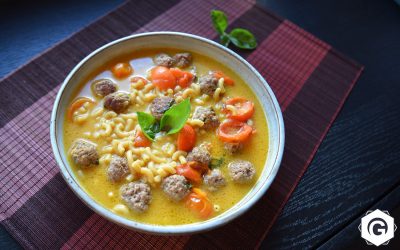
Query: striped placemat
(310,79)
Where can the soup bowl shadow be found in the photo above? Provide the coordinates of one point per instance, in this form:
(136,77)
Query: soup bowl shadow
(185,42)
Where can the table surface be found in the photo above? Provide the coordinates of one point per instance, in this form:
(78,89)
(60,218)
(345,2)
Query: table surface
(357,166)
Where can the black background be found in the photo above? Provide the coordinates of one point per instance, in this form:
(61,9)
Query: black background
(357,167)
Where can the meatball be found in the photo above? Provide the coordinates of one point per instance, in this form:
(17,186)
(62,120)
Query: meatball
(176,187)
(233,148)
(117,101)
(118,168)
(241,171)
(160,105)
(104,87)
(208,116)
(164,60)
(208,84)
(182,60)
(136,195)
(214,180)
(200,154)
(84,153)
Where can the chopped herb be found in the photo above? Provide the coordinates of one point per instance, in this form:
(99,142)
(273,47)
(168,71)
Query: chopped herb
(216,162)
(189,185)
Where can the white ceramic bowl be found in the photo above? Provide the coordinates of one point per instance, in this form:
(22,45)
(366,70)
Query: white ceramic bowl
(185,42)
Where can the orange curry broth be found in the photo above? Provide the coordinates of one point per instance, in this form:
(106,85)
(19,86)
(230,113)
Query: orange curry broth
(163,211)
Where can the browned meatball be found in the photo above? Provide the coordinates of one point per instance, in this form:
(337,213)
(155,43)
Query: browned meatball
(208,116)
(84,153)
(233,148)
(176,187)
(160,105)
(200,154)
(137,196)
(208,84)
(214,180)
(182,60)
(118,168)
(163,60)
(241,171)
(104,87)
(117,101)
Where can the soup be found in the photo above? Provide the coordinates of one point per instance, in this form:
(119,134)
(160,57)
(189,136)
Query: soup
(165,137)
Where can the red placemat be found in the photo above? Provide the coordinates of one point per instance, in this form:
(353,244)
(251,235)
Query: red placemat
(310,79)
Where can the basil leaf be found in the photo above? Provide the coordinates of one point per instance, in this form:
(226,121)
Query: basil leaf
(243,38)
(175,117)
(225,40)
(219,20)
(155,127)
(148,124)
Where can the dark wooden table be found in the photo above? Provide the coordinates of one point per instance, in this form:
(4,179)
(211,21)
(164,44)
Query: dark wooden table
(357,167)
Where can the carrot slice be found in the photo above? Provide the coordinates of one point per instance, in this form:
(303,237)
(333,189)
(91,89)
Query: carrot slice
(227,79)
(141,140)
(121,70)
(186,138)
(163,78)
(76,105)
(233,131)
(200,204)
(244,107)
(183,78)
(189,173)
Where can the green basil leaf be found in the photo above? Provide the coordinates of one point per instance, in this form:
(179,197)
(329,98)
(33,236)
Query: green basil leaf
(225,40)
(155,127)
(148,124)
(175,117)
(219,20)
(243,38)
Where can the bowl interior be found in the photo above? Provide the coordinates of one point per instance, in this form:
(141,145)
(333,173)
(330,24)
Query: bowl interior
(184,42)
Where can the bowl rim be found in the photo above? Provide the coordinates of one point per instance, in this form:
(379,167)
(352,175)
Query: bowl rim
(165,229)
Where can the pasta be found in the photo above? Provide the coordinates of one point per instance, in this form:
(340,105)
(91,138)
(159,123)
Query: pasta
(195,122)
(97,112)
(120,209)
(105,159)
(177,154)
(138,85)
(148,173)
(217,94)
(231,108)
(110,114)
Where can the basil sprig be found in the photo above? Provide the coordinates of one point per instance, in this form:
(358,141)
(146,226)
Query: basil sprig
(172,121)
(175,117)
(241,38)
